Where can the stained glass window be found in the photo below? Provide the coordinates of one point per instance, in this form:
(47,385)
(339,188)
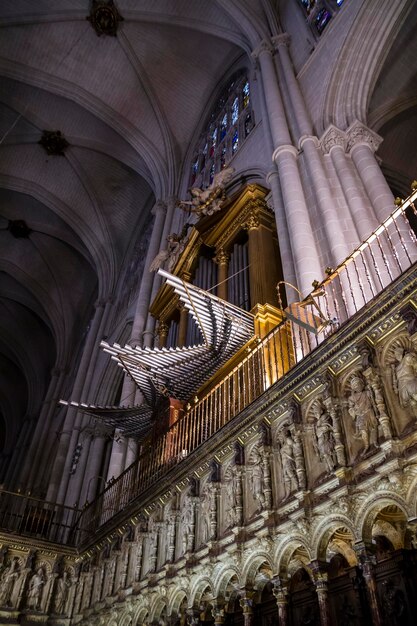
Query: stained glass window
(245,94)
(320,12)
(322,19)
(223,127)
(235,110)
(231,120)
(235,141)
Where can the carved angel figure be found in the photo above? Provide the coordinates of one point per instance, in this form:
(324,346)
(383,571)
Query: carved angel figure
(176,245)
(8,581)
(405,377)
(208,201)
(323,441)
(170,254)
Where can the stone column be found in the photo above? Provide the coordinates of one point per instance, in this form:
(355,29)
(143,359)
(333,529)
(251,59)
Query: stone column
(246,602)
(280,591)
(281,43)
(70,431)
(321,584)
(305,256)
(288,271)
(91,477)
(367,565)
(362,144)
(143,301)
(148,333)
(334,142)
(30,475)
(118,456)
(222,259)
(337,249)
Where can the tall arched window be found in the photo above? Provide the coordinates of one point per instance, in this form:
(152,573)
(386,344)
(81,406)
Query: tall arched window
(230,123)
(320,12)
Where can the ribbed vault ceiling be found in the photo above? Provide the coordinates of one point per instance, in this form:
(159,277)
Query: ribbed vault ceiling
(128,107)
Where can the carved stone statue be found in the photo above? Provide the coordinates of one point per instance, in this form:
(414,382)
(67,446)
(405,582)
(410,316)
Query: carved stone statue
(405,378)
(187,525)
(324,441)
(205,514)
(35,589)
(8,581)
(256,476)
(233,504)
(63,585)
(208,201)
(175,245)
(362,410)
(289,470)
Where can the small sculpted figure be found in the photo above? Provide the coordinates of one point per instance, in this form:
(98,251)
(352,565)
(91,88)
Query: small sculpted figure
(362,410)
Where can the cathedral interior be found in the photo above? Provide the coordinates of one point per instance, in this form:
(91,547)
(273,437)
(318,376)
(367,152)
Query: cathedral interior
(208,312)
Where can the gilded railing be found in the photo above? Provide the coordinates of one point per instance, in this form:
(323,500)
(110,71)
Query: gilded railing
(389,251)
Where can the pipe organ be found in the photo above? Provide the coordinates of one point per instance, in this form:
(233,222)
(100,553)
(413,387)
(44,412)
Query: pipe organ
(233,254)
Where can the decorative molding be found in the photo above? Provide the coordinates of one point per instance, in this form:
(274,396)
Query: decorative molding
(104,17)
(358,134)
(333,137)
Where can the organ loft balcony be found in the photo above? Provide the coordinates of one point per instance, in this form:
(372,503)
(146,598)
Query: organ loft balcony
(243,355)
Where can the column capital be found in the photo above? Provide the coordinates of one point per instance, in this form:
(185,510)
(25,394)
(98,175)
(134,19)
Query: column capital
(265,46)
(252,222)
(284,39)
(222,257)
(305,138)
(159,207)
(285,148)
(359,134)
(333,137)
(163,328)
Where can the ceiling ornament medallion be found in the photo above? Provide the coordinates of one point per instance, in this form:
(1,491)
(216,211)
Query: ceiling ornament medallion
(19,229)
(104,17)
(54,142)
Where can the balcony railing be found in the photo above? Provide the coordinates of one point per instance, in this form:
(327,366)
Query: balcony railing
(385,255)
(25,515)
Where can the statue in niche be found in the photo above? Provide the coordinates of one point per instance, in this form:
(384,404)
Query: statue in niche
(187,524)
(205,514)
(256,476)
(361,407)
(233,496)
(8,581)
(170,537)
(324,441)
(405,377)
(61,594)
(208,201)
(288,465)
(35,589)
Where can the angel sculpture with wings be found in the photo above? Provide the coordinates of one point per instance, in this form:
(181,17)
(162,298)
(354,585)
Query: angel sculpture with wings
(176,245)
(208,201)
